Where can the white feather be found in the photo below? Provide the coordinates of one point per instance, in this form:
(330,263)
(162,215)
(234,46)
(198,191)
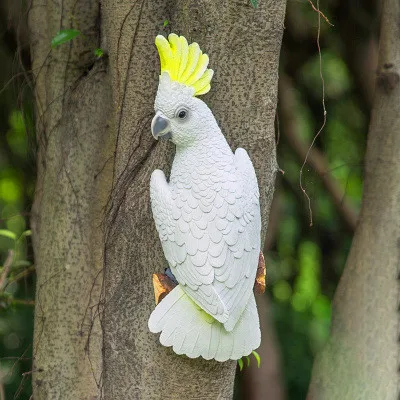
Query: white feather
(190,331)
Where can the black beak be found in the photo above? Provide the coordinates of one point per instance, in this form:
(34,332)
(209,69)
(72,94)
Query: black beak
(160,127)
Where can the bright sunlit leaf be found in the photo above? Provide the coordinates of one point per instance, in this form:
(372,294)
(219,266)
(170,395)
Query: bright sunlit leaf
(10,191)
(8,234)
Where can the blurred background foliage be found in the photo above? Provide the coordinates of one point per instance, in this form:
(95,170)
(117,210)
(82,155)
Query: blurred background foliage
(304,262)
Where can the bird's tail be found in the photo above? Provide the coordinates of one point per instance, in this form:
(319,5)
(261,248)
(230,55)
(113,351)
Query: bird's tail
(191,331)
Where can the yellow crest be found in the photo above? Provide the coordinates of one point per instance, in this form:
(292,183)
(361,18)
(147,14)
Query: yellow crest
(184,63)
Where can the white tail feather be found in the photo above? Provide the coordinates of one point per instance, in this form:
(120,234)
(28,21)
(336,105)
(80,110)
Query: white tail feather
(191,331)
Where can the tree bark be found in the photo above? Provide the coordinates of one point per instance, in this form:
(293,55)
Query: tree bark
(73,185)
(361,358)
(243,45)
(95,157)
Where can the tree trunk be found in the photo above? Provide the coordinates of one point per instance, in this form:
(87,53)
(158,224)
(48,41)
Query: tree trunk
(73,185)
(361,360)
(95,157)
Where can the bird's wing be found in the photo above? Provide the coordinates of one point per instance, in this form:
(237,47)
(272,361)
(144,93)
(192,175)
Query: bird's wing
(161,204)
(235,279)
(210,235)
(215,245)
(182,230)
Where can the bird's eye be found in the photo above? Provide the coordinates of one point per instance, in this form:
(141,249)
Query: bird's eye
(182,114)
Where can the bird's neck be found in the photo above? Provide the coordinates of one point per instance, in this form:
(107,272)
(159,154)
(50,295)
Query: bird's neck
(212,154)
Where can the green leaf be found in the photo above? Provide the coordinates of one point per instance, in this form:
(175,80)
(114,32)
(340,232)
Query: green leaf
(99,53)
(254,3)
(165,23)
(8,234)
(64,36)
(257,357)
(248,361)
(240,362)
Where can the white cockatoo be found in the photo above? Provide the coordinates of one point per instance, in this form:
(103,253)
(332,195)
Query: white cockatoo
(207,217)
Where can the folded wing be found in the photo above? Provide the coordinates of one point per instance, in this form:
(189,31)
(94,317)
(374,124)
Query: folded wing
(210,233)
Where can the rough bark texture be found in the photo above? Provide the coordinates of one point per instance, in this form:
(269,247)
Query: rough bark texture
(243,44)
(95,157)
(361,359)
(72,189)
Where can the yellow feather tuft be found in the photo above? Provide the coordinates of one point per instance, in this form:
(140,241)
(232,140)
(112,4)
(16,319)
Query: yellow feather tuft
(202,86)
(199,70)
(184,63)
(184,55)
(193,57)
(164,51)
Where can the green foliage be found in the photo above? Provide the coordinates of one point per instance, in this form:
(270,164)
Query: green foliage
(64,36)
(254,3)
(257,357)
(8,234)
(16,135)
(247,358)
(17,280)
(99,53)
(335,72)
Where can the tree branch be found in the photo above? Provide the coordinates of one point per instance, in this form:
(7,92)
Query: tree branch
(6,269)
(21,275)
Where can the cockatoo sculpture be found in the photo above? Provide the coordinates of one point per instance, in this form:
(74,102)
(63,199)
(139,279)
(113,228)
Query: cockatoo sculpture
(207,216)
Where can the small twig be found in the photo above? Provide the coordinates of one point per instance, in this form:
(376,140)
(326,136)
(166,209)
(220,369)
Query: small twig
(15,358)
(21,275)
(315,158)
(22,302)
(6,269)
(9,300)
(27,373)
(320,12)
(278,128)
(324,121)
(3,281)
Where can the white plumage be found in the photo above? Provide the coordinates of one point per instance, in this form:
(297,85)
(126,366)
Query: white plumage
(208,219)
(190,331)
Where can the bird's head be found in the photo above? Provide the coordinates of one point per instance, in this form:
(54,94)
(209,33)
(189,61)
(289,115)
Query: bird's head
(180,115)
